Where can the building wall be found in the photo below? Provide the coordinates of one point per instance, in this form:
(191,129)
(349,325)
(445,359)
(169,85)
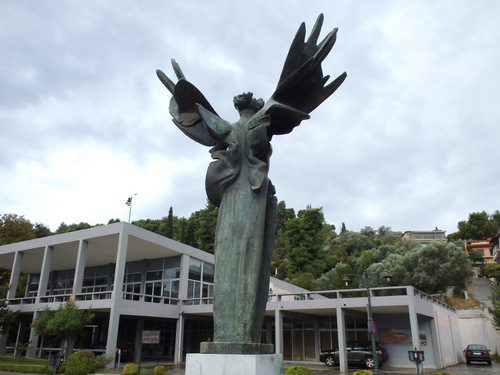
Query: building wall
(447,337)
(132,251)
(399,324)
(476,328)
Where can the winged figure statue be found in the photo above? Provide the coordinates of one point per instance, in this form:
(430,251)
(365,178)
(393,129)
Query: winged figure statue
(237,180)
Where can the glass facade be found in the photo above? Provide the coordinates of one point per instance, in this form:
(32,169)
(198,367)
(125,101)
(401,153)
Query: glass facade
(61,282)
(200,282)
(162,280)
(98,282)
(154,280)
(300,335)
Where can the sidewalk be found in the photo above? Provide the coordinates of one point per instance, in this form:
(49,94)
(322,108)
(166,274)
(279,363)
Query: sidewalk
(322,369)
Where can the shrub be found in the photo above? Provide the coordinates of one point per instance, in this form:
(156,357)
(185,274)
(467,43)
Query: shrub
(362,372)
(298,370)
(442,373)
(159,370)
(80,363)
(102,360)
(130,369)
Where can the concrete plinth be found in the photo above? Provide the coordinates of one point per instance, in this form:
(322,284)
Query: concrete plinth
(234,364)
(235,348)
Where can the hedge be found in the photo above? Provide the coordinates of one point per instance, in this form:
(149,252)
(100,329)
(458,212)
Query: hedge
(37,369)
(24,360)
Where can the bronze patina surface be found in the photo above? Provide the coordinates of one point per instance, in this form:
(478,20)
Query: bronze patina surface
(237,181)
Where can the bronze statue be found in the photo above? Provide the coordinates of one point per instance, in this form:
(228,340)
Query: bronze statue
(237,181)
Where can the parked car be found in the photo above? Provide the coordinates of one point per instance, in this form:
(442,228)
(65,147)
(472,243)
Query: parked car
(358,353)
(477,353)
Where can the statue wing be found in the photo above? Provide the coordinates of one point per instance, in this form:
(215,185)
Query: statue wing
(184,107)
(301,87)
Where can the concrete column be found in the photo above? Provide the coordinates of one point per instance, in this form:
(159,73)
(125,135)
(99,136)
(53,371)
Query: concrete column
(436,340)
(415,333)
(278,331)
(117,294)
(143,278)
(138,340)
(3,344)
(342,339)
(42,290)
(45,273)
(179,338)
(11,293)
(317,340)
(20,329)
(33,340)
(183,279)
(14,275)
(80,267)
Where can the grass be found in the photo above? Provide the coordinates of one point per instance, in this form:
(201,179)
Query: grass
(463,304)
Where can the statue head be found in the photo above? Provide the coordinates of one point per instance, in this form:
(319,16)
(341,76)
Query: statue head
(246,101)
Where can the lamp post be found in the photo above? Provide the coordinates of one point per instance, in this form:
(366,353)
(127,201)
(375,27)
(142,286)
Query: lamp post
(367,279)
(129,204)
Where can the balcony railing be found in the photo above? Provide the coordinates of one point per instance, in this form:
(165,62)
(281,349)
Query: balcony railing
(301,296)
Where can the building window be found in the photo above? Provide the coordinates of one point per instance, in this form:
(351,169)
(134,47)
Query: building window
(200,282)
(32,288)
(61,282)
(162,280)
(98,282)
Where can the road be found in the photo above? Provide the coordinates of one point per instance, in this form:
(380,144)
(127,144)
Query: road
(461,369)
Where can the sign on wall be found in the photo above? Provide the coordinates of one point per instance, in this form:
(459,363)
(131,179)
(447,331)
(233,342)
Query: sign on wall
(400,336)
(151,337)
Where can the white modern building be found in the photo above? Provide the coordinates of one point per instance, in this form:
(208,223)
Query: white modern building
(138,283)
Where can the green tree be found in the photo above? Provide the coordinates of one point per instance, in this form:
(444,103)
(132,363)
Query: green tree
(333,279)
(169,230)
(479,225)
(65,324)
(182,230)
(430,268)
(205,222)
(7,316)
(491,270)
(304,280)
(305,236)
(14,228)
(42,230)
(352,243)
(283,215)
(343,228)
(280,251)
(475,256)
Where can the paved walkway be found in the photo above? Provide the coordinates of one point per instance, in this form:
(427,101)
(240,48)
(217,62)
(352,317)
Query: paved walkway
(321,369)
(481,290)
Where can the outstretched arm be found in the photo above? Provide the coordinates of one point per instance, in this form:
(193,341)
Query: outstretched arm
(184,106)
(301,87)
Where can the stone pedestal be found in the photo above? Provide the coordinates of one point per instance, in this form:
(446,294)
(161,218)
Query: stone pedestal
(235,348)
(234,364)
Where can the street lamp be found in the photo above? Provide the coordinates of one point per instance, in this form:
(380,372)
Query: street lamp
(129,204)
(367,279)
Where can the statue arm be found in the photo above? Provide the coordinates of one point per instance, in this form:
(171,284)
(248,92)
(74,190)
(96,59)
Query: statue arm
(184,106)
(301,87)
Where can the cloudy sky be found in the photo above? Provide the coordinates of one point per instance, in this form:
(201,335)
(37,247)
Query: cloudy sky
(408,141)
